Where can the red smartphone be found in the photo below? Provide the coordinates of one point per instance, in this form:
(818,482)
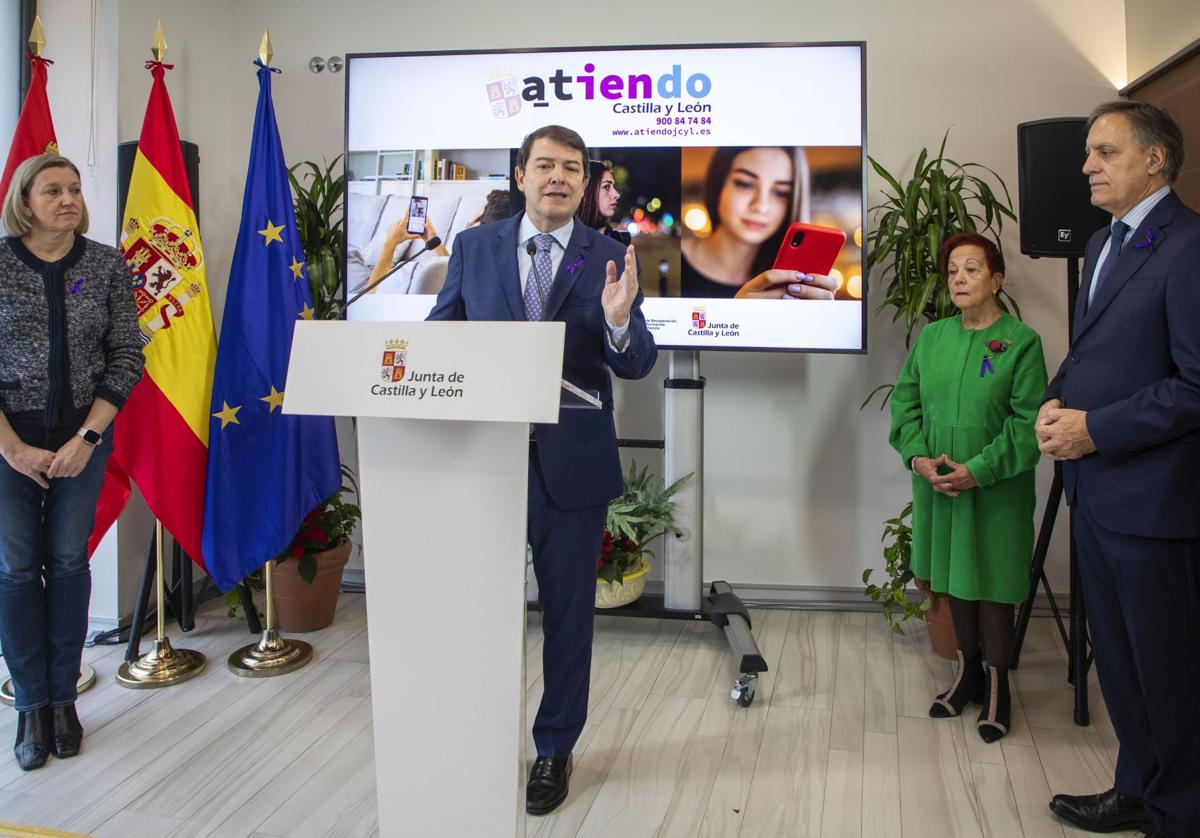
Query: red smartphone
(809,249)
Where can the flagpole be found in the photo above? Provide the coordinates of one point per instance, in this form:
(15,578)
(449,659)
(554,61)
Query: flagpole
(164,665)
(273,654)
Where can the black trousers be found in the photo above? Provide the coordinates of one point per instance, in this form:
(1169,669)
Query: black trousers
(1143,607)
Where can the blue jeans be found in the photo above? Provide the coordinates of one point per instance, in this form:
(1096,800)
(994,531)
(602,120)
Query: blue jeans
(45,579)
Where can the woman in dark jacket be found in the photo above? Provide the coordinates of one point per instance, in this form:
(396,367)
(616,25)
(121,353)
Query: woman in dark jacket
(70,353)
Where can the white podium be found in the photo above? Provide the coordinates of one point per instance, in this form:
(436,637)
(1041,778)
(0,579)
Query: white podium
(443,433)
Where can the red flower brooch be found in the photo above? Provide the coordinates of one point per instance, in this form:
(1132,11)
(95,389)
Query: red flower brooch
(994,348)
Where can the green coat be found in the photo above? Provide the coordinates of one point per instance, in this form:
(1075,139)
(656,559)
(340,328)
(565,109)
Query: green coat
(979,545)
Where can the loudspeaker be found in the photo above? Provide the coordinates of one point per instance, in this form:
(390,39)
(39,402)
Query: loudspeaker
(1055,206)
(127,152)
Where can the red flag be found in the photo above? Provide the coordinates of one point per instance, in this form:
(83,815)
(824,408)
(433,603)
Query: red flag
(35,128)
(160,437)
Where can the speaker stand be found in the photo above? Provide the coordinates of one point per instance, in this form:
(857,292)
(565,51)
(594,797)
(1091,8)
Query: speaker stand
(1076,640)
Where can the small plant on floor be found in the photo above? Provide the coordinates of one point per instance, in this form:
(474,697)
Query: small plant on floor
(643,512)
(893,591)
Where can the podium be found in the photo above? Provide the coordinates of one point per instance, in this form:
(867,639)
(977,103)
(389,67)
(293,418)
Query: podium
(443,441)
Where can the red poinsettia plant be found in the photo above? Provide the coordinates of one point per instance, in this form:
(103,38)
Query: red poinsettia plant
(642,513)
(327,527)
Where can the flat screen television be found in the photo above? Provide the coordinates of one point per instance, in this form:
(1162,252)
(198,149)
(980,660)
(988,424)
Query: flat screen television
(715,153)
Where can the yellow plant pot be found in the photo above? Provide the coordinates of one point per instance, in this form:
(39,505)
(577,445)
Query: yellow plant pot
(616,594)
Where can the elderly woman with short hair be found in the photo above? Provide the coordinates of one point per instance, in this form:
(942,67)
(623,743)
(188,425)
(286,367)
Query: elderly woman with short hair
(963,414)
(70,353)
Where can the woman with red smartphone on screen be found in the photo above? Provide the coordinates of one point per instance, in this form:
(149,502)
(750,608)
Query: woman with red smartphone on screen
(753,194)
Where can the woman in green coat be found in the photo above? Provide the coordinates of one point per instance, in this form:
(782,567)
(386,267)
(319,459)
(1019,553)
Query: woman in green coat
(963,413)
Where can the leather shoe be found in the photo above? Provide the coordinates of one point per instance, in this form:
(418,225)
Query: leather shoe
(68,732)
(1107,811)
(547,786)
(33,738)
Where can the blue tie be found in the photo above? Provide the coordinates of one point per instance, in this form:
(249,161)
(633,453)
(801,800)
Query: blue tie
(1119,231)
(541,275)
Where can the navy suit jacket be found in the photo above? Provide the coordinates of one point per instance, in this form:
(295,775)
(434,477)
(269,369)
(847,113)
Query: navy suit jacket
(1134,366)
(578,456)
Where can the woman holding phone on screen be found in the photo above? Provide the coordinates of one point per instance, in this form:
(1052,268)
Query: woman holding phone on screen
(751,194)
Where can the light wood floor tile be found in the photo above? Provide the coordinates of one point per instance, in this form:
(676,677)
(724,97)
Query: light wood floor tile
(788,790)
(849,691)
(997,805)
(841,815)
(638,790)
(879,701)
(592,766)
(809,660)
(693,664)
(881,812)
(726,805)
(1030,790)
(936,782)
(837,742)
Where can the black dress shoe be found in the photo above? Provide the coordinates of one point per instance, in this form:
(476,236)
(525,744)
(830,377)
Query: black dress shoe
(33,738)
(1108,811)
(68,732)
(547,786)
(967,687)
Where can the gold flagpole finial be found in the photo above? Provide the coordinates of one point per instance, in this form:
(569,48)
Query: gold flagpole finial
(264,48)
(158,44)
(37,37)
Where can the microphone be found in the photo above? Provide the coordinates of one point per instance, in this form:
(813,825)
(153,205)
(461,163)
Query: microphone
(429,245)
(531,249)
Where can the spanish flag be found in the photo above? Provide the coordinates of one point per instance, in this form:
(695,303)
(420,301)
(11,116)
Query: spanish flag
(35,129)
(161,435)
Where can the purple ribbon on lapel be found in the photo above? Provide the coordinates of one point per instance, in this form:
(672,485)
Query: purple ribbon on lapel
(985,367)
(574,266)
(76,286)
(1149,240)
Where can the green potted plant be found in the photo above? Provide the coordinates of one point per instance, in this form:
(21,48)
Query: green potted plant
(941,198)
(308,575)
(318,200)
(643,512)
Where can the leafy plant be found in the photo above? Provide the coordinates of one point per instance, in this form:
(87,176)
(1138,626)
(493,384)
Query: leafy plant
(327,527)
(643,512)
(319,224)
(893,592)
(941,198)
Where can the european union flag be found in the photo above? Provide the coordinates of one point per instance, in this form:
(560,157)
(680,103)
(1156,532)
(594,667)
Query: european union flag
(266,470)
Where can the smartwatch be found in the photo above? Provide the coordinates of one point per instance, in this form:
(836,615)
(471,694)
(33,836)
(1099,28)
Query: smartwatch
(89,436)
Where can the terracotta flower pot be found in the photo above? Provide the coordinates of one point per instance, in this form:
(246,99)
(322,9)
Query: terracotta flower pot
(303,606)
(941,627)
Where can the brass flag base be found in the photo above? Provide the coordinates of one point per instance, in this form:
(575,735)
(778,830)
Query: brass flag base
(162,667)
(272,655)
(87,679)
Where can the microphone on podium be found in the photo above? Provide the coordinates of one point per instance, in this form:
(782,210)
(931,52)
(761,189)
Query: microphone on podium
(431,244)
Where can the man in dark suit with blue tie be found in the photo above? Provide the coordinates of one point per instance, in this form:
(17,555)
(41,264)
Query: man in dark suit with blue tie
(1123,414)
(544,265)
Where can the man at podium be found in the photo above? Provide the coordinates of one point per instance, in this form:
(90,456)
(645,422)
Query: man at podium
(543,265)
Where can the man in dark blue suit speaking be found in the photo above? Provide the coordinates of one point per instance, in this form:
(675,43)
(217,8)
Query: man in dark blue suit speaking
(1123,414)
(544,265)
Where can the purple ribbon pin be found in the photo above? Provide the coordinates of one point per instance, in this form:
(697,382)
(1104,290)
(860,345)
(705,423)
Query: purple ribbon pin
(1149,241)
(76,286)
(574,266)
(985,367)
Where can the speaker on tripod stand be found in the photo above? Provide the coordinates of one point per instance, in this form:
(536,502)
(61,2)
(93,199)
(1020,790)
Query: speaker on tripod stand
(1057,219)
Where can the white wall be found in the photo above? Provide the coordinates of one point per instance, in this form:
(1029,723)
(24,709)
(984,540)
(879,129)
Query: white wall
(1157,29)
(797,478)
